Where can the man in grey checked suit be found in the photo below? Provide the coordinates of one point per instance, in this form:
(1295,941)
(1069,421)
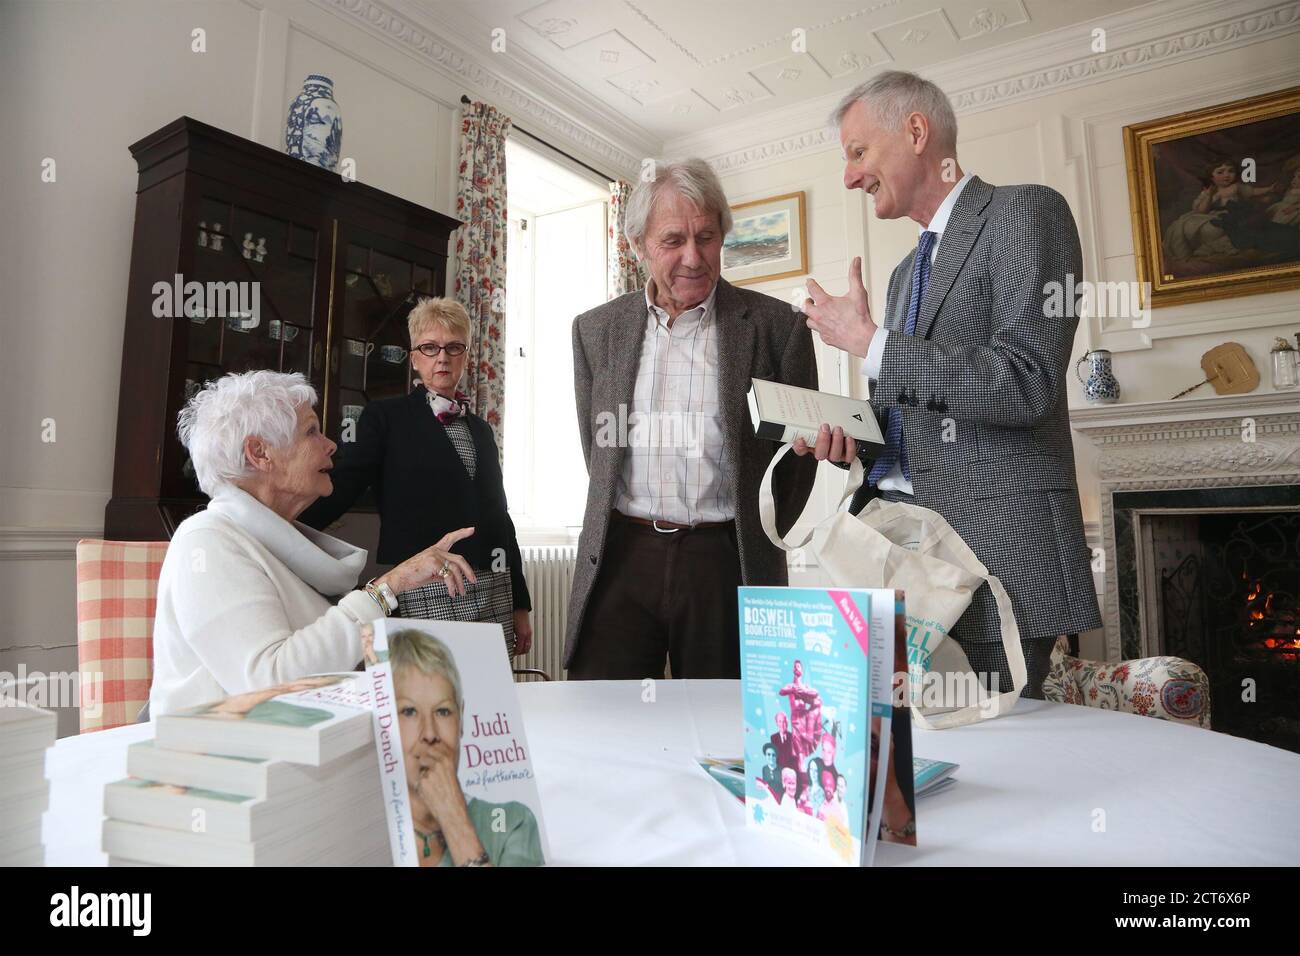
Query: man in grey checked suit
(969,372)
(672,524)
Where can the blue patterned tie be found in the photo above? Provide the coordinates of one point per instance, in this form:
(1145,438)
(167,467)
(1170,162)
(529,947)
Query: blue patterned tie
(895,450)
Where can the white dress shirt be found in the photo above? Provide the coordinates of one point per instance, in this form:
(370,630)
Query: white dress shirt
(676,468)
(894,480)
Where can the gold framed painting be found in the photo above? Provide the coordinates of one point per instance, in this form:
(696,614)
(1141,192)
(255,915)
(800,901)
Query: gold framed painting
(768,240)
(1215,197)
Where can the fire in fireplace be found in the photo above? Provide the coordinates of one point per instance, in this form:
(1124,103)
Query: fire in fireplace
(1272,622)
(1222,589)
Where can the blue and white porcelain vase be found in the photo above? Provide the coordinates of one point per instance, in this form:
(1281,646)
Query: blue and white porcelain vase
(314,130)
(1101,388)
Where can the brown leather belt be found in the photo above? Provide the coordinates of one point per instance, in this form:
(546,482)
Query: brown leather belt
(669,527)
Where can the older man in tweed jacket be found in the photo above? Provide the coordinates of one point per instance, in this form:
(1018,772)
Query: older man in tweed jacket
(660,375)
(969,372)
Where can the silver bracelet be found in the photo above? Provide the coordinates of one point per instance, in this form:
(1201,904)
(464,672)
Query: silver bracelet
(373,593)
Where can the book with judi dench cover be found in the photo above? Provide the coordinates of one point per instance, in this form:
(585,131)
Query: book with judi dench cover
(454,762)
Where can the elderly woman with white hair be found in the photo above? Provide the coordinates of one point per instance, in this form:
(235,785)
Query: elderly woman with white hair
(248,597)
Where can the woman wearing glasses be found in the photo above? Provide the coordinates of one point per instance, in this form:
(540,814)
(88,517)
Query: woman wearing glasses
(435,469)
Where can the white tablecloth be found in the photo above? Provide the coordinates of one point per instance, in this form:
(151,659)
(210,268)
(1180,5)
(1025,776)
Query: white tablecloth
(619,785)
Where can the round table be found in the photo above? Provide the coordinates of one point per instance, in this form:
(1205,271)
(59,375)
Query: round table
(1050,784)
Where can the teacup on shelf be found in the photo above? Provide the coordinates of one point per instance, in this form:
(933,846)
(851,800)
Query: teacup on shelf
(273,329)
(244,322)
(393,353)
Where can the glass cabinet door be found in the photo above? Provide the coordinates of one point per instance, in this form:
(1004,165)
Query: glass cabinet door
(379,285)
(249,300)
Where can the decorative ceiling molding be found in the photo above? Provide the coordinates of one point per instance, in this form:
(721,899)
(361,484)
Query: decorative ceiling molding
(782,38)
(1156,35)
(1184,41)
(812,141)
(453,62)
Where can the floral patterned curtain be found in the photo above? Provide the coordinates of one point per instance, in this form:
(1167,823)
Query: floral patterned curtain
(481,258)
(624,270)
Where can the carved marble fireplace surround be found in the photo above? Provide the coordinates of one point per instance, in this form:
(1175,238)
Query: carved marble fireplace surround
(1246,446)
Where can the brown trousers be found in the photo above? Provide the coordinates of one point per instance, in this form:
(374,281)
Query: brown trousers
(662,598)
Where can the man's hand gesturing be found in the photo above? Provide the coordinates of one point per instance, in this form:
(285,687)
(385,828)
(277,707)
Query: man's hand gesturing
(843,321)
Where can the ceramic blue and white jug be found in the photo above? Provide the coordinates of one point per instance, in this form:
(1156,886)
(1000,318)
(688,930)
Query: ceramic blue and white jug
(1101,388)
(314,130)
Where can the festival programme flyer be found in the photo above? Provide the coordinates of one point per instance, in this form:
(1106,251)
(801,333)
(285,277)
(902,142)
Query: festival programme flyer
(806,691)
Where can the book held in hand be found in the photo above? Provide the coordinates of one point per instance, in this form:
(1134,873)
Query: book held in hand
(784,413)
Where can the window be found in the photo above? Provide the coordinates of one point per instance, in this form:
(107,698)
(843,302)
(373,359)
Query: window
(555,259)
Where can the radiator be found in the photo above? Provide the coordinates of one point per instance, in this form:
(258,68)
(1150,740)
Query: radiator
(549,571)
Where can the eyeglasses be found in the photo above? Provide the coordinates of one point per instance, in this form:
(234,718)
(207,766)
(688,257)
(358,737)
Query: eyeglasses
(431,349)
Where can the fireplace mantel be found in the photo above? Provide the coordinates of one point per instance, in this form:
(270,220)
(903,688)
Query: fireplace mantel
(1225,441)
(1229,439)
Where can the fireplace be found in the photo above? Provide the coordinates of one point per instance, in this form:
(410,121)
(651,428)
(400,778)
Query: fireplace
(1201,527)
(1216,580)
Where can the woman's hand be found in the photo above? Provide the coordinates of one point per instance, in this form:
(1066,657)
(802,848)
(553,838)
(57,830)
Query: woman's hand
(439,788)
(429,564)
(523,632)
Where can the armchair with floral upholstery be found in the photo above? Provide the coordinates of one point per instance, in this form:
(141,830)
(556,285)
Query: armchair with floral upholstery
(1169,688)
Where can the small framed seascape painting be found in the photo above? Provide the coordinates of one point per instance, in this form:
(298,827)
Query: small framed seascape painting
(768,240)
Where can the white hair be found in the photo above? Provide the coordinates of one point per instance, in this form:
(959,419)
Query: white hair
(894,95)
(215,422)
(693,179)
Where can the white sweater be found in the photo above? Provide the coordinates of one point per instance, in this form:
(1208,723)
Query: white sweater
(247,600)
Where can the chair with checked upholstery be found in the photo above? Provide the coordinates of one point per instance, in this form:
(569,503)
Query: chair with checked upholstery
(117,591)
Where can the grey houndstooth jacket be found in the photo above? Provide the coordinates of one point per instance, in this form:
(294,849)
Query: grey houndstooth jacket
(758,337)
(985,358)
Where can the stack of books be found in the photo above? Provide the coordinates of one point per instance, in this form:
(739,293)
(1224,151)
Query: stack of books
(287,776)
(26,732)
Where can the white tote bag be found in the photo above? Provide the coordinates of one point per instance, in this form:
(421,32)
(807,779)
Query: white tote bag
(896,545)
